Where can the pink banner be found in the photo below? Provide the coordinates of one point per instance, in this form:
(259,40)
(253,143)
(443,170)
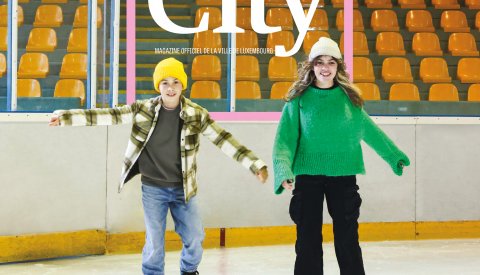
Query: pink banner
(131,50)
(348,36)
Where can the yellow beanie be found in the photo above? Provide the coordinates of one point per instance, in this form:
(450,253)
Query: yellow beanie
(169,67)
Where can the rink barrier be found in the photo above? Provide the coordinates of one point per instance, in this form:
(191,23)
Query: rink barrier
(98,242)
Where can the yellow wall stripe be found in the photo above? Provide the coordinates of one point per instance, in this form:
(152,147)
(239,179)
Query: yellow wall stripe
(53,245)
(97,242)
(448,230)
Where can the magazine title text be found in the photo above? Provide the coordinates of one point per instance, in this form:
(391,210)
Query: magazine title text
(301,20)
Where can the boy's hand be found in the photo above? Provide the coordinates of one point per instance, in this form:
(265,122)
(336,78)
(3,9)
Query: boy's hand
(54,120)
(262,175)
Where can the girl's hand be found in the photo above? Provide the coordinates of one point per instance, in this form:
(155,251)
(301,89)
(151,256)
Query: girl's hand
(287,184)
(262,175)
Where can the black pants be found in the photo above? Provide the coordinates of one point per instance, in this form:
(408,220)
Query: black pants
(306,210)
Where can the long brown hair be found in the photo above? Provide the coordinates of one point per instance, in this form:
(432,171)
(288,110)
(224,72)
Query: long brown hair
(306,77)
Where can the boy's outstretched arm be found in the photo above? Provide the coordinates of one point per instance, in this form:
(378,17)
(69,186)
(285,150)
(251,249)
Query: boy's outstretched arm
(232,148)
(93,117)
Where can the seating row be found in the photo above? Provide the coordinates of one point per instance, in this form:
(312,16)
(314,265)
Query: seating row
(381,20)
(63,88)
(207,89)
(387,43)
(51,16)
(409,92)
(36,65)
(45,40)
(99,2)
(394,69)
(404,4)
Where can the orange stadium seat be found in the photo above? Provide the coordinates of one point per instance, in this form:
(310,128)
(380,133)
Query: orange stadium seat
(473,4)
(443,92)
(214,17)
(280,89)
(396,69)
(419,21)
(363,70)
(404,92)
(473,93)
(42,40)
(33,65)
(384,20)
(412,4)
(248,68)
(80,19)
(243,3)
(426,43)
(19,1)
(78,40)
(247,40)
(339,3)
(445,4)
(74,65)
(54,1)
(357,20)
(434,69)
(360,44)
(247,90)
(244,18)
(462,44)
(208,2)
(311,38)
(206,67)
(70,88)
(99,2)
(284,38)
(390,43)
(207,39)
(370,91)
(468,70)
(4,16)
(321,3)
(3,39)
(319,20)
(279,17)
(282,69)
(276,3)
(28,88)
(48,16)
(206,90)
(454,21)
(3,65)
(378,4)
(477,20)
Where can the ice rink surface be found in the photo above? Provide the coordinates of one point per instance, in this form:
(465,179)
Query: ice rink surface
(436,257)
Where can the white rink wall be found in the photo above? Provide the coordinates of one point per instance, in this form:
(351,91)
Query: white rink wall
(65,179)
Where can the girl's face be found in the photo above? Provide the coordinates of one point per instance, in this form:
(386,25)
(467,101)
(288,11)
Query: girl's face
(170,89)
(325,69)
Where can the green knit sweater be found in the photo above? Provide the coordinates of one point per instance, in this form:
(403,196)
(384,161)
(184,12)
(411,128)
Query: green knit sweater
(319,133)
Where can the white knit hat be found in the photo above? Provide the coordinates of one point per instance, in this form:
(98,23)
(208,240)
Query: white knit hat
(325,46)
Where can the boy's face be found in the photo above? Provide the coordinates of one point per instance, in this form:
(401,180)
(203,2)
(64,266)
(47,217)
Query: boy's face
(170,89)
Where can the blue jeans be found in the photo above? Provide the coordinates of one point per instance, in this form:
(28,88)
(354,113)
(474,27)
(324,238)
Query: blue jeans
(156,202)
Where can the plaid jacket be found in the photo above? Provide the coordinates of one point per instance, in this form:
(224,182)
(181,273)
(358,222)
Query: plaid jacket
(143,114)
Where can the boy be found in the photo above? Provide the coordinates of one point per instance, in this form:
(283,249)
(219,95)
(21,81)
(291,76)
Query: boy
(163,148)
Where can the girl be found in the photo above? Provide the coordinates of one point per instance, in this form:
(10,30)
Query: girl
(317,148)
